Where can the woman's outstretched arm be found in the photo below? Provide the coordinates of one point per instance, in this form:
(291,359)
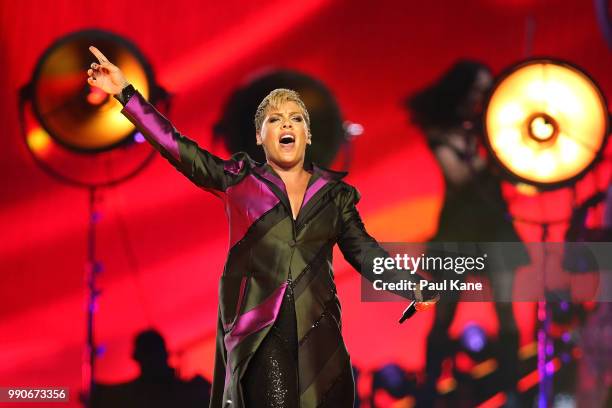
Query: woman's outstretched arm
(359,248)
(200,166)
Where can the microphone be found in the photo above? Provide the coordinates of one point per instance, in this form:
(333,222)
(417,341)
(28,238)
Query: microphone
(408,312)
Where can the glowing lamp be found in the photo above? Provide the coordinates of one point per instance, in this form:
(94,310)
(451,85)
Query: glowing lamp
(546,123)
(78,116)
(74,131)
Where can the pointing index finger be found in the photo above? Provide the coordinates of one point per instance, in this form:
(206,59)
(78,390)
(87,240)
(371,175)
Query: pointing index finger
(98,54)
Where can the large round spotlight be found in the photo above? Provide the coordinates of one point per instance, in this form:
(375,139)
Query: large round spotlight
(236,127)
(74,131)
(74,113)
(546,122)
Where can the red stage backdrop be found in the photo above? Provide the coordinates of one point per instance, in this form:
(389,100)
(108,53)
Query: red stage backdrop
(163,241)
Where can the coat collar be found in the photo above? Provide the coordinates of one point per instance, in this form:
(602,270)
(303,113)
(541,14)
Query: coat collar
(266,171)
(324,172)
(315,169)
(320,179)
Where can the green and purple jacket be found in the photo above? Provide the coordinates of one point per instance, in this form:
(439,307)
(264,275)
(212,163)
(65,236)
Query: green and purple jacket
(266,247)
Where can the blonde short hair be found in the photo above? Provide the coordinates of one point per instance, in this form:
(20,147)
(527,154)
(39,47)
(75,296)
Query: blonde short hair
(276,98)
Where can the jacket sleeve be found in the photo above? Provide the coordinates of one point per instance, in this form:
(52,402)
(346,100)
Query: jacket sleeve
(198,165)
(359,249)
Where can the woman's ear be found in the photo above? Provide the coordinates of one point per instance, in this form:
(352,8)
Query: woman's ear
(308,137)
(258,138)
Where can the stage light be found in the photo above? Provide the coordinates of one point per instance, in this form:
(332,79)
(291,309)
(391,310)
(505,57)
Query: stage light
(139,138)
(78,116)
(473,338)
(394,380)
(76,132)
(546,123)
(330,132)
(38,140)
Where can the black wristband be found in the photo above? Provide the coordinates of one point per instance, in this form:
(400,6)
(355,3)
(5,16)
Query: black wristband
(126,93)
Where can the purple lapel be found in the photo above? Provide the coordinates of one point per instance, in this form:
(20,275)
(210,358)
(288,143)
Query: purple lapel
(321,177)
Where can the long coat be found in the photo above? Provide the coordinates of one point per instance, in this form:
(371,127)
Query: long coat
(266,246)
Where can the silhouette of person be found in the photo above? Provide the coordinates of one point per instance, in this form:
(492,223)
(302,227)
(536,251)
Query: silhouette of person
(157,385)
(474,210)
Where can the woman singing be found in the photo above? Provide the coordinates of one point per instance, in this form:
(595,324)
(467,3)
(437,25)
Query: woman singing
(279,341)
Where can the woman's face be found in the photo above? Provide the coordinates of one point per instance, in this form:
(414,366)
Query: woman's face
(284,135)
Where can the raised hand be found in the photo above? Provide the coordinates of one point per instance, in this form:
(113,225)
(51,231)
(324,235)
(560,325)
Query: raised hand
(104,75)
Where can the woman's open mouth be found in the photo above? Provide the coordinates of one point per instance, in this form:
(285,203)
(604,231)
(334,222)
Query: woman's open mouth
(287,142)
